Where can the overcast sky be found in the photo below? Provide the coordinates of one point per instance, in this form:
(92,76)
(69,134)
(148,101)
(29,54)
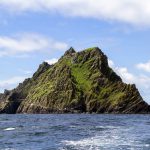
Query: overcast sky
(33,31)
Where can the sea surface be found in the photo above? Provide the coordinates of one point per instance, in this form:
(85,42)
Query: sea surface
(75,132)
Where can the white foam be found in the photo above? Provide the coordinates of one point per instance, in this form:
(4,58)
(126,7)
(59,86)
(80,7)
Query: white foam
(107,127)
(9,129)
(9,149)
(107,141)
(88,143)
(147,145)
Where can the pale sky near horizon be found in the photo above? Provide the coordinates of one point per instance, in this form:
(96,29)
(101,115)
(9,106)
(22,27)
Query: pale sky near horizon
(33,31)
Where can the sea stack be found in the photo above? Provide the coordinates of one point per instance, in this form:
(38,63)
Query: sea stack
(80,82)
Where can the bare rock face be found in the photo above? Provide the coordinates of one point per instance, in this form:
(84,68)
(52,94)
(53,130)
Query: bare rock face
(79,82)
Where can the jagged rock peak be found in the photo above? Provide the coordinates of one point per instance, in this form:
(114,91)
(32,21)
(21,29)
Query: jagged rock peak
(42,67)
(70,51)
(44,64)
(94,49)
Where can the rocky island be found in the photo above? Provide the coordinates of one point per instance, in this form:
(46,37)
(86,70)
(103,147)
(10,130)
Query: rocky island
(79,82)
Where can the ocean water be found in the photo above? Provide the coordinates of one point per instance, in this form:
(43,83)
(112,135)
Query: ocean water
(75,132)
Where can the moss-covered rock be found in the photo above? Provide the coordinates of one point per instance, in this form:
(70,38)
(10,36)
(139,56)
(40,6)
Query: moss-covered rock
(79,82)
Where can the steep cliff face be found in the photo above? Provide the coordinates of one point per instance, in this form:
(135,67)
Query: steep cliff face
(78,82)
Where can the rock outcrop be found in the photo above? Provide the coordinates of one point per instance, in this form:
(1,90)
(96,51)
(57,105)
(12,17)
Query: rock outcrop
(79,82)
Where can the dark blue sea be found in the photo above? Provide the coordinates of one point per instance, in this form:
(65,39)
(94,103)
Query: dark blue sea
(75,132)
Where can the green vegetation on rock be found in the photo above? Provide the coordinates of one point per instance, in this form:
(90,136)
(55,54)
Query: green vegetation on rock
(78,82)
